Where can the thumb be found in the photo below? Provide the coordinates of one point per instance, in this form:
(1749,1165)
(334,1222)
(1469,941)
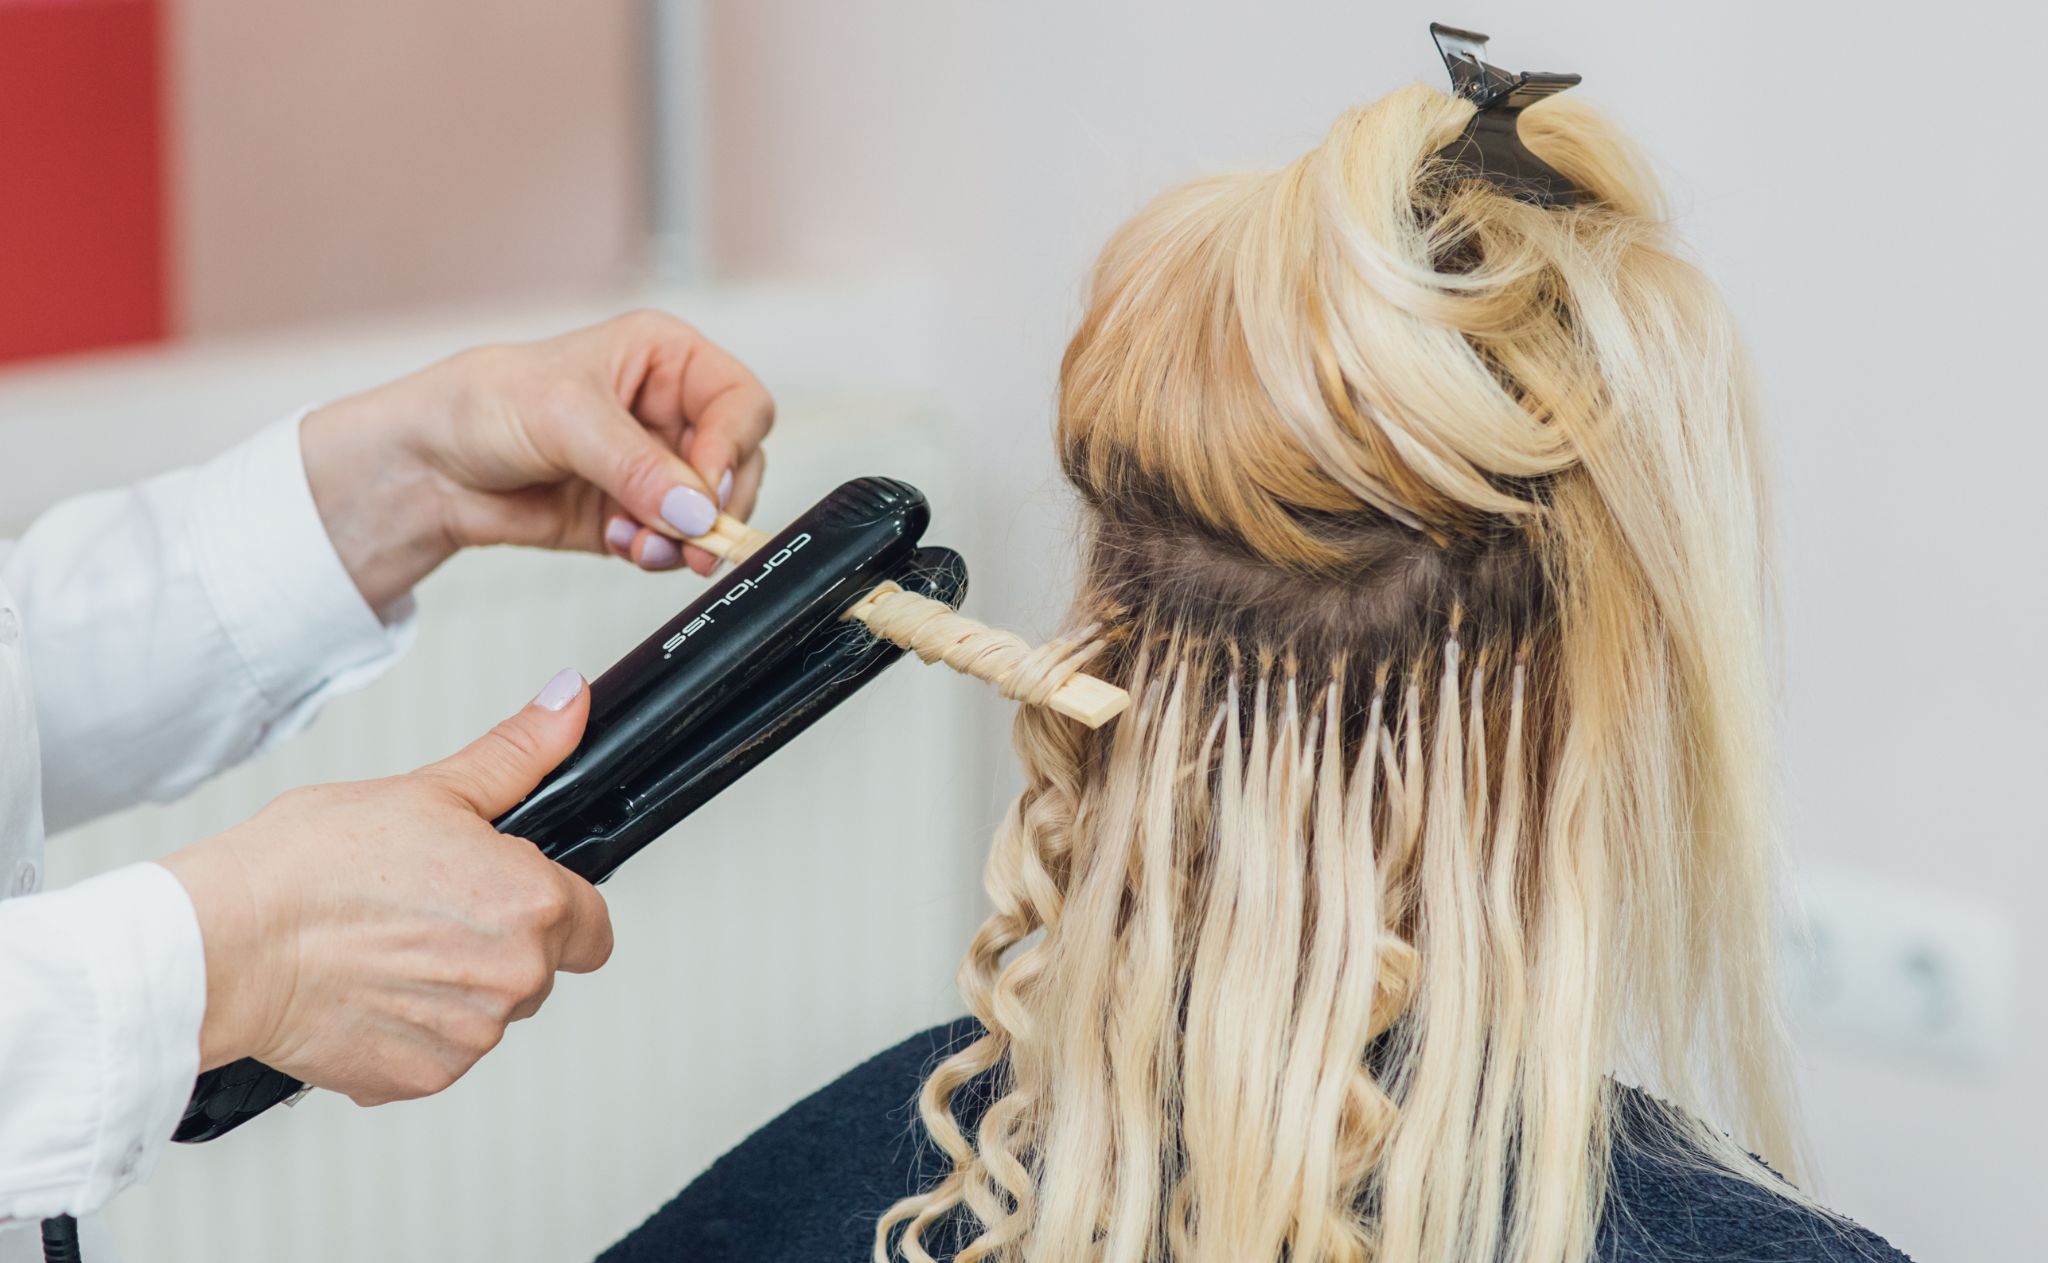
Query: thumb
(501,767)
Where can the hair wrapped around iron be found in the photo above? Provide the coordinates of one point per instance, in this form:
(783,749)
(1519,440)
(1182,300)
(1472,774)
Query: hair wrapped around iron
(1424,525)
(1049,675)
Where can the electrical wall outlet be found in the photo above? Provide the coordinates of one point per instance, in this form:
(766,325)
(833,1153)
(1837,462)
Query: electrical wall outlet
(1900,970)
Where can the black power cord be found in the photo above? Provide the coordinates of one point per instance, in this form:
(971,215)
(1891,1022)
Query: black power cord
(60,1239)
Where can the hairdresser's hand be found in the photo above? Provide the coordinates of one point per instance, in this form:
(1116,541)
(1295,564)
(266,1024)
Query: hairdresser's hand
(375,938)
(622,437)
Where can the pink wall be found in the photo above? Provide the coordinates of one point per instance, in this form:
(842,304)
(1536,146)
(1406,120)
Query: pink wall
(338,159)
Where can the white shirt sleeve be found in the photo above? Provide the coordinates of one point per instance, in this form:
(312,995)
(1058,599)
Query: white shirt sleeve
(169,630)
(99,1037)
(174,628)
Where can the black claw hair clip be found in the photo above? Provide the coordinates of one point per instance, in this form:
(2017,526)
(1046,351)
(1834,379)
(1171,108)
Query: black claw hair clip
(1491,147)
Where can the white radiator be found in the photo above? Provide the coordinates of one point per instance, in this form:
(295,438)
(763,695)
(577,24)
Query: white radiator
(807,918)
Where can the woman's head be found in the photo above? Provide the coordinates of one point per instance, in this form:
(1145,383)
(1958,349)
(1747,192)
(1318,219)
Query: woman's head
(1424,524)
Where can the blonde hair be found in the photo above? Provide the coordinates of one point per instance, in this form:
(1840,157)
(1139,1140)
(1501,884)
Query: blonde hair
(1425,526)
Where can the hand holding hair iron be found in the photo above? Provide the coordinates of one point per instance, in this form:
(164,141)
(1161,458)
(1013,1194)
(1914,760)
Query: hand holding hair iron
(721,686)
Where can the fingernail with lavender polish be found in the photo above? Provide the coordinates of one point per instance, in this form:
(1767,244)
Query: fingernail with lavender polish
(724,488)
(561,690)
(688,511)
(660,553)
(619,533)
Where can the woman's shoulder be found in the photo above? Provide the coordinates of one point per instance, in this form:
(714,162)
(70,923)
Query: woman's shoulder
(1666,1201)
(810,1185)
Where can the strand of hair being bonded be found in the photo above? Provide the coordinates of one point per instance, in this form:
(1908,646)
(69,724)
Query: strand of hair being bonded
(1047,675)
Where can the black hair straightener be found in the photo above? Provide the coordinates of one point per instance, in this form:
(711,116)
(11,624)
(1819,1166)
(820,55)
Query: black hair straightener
(724,684)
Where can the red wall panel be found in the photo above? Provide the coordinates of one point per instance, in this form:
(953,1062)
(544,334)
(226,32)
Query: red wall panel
(82,232)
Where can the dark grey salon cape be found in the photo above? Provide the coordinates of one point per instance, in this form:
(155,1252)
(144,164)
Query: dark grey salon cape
(808,1187)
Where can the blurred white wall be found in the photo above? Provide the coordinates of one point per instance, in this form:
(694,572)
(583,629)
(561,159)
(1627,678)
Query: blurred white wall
(1859,176)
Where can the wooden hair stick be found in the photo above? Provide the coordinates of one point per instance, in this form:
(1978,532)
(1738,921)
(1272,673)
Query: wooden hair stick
(941,634)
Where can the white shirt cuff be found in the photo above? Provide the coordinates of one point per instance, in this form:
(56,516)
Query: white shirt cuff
(284,598)
(115,1047)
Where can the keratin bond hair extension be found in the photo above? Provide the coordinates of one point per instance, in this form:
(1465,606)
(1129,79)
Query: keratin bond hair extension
(1425,529)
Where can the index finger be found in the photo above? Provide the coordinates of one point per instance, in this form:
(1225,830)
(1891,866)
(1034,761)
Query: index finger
(728,412)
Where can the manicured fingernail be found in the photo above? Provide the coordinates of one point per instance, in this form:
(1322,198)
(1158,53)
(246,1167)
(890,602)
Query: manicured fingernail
(660,553)
(561,690)
(688,511)
(619,532)
(724,488)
